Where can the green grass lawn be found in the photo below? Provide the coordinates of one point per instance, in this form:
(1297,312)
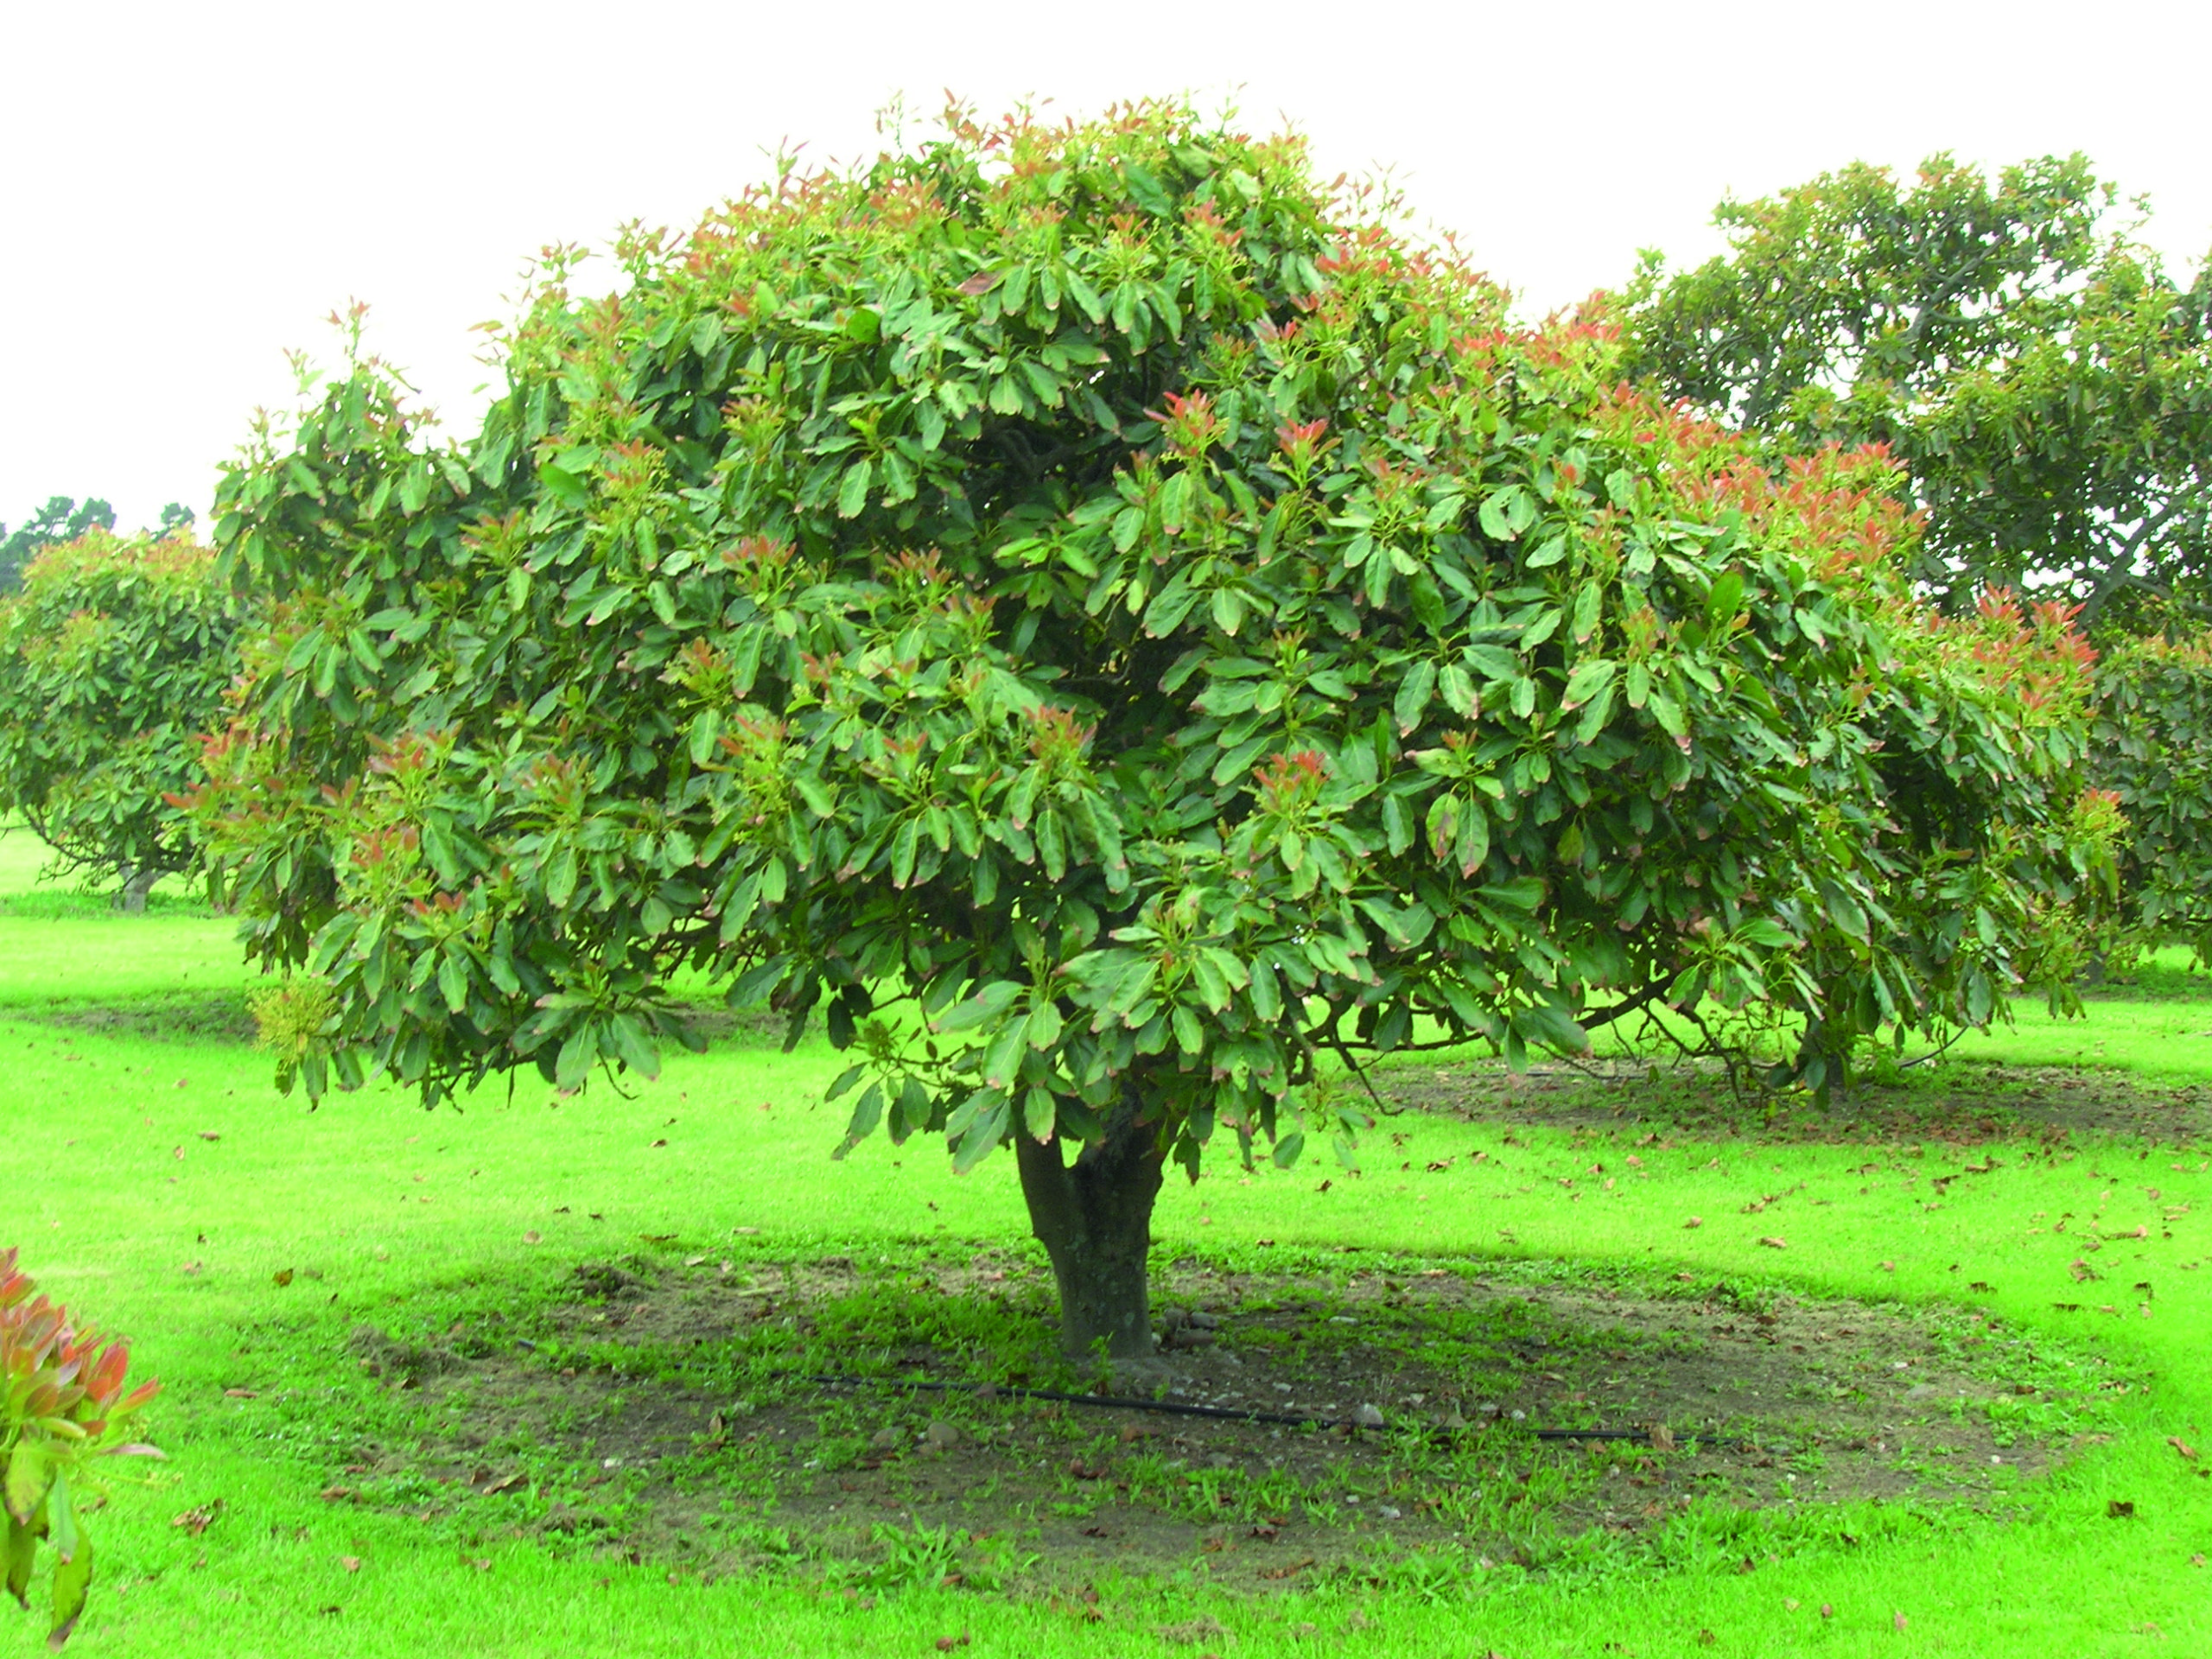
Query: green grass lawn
(151,1173)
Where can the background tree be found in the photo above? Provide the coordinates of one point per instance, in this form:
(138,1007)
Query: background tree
(1117,634)
(113,659)
(2154,750)
(62,520)
(59,520)
(2045,381)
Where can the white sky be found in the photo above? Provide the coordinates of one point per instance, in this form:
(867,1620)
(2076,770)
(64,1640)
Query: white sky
(188,190)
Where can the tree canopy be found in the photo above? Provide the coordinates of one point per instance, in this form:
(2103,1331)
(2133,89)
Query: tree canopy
(1116,633)
(2045,379)
(113,660)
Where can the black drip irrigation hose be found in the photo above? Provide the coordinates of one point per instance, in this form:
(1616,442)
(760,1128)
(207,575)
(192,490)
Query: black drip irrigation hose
(1226,1413)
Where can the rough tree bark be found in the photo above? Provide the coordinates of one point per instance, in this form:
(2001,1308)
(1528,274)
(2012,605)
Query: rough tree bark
(1094,1218)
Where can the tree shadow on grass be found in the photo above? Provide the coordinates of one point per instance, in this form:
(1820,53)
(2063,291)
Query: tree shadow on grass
(1965,1101)
(681,1413)
(178,1016)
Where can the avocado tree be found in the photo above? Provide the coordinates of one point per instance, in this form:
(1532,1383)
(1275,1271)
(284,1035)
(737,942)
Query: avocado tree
(2045,379)
(1118,635)
(113,660)
(2153,749)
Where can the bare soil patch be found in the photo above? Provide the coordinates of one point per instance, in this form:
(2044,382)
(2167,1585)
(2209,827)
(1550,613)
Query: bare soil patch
(677,1412)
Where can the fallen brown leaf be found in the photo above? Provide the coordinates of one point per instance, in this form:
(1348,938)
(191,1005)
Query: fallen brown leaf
(196,1521)
(2188,1452)
(1772,1243)
(351,1563)
(1205,1627)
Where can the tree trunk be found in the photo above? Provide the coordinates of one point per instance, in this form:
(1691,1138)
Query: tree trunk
(1094,1218)
(136,886)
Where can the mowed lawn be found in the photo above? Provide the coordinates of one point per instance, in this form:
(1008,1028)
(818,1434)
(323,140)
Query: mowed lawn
(150,1172)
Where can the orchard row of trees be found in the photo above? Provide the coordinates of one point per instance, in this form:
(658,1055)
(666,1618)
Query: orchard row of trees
(1119,634)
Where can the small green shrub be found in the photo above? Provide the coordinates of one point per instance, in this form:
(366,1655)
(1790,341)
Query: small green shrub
(62,1402)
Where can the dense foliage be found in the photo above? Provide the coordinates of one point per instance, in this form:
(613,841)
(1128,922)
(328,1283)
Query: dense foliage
(62,1405)
(113,660)
(1095,585)
(2045,379)
(2153,748)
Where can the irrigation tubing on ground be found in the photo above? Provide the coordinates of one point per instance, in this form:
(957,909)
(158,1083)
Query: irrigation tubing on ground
(1217,1413)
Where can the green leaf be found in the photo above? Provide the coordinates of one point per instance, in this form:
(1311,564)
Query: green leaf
(579,1053)
(561,878)
(21,1554)
(62,1529)
(73,1582)
(868,1112)
(852,494)
(1587,604)
(453,981)
(1845,911)
(1288,1148)
(30,1475)
(633,1045)
(982,1136)
(1591,676)
(1002,1062)
(1725,600)
(980,1007)
(1498,511)
(1040,1114)
(1413,694)
(1044,1026)
(1459,689)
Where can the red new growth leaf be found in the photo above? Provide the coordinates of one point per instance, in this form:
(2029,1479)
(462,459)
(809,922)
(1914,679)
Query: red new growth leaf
(56,1410)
